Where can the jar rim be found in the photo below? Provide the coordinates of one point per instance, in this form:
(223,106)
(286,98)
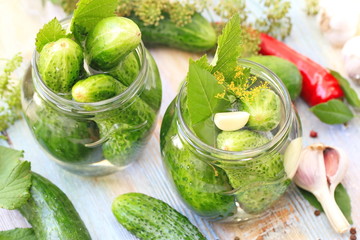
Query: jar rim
(244,155)
(100,106)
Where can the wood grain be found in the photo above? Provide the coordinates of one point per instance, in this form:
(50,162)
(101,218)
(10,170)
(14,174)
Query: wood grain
(291,218)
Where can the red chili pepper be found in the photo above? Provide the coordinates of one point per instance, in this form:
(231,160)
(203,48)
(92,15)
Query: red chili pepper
(319,85)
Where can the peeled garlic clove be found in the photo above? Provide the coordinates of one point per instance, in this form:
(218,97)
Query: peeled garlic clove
(292,157)
(231,121)
(319,166)
(336,165)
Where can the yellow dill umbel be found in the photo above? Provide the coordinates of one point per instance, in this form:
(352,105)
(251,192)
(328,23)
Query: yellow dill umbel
(242,85)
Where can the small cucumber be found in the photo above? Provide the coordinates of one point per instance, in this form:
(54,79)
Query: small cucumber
(126,127)
(60,64)
(128,70)
(64,137)
(259,181)
(265,110)
(110,41)
(201,185)
(96,88)
(149,218)
(196,36)
(51,213)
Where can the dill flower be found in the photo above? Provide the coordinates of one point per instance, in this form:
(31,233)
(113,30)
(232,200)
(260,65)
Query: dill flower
(10,104)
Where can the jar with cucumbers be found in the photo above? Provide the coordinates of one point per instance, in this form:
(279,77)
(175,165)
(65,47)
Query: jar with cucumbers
(92,94)
(234,162)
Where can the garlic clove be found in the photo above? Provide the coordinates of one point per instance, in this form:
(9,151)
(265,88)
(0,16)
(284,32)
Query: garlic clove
(336,218)
(231,121)
(292,157)
(310,174)
(336,165)
(320,168)
(351,58)
(338,20)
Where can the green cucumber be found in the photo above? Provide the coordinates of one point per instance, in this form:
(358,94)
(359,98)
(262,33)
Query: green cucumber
(125,128)
(196,36)
(258,182)
(128,70)
(64,137)
(149,218)
(201,185)
(96,88)
(288,73)
(265,110)
(111,40)
(60,64)
(51,213)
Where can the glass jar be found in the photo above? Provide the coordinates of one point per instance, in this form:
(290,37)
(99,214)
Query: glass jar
(231,186)
(95,138)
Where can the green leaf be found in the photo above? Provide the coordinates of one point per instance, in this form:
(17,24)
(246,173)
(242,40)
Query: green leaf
(15,179)
(17,234)
(9,159)
(229,48)
(202,104)
(51,32)
(333,112)
(341,197)
(203,63)
(351,96)
(88,13)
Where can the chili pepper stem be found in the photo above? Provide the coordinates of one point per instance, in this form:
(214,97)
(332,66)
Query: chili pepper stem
(332,210)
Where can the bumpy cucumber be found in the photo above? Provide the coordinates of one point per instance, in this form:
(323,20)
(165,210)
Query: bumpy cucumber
(96,88)
(201,185)
(127,71)
(65,137)
(259,181)
(60,64)
(150,218)
(51,213)
(110,41)
(196,36)
(125,128)
(264,110)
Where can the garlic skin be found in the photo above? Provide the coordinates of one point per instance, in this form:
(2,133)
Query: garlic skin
(339,20)
(320,170)
(231,121)
(351,58)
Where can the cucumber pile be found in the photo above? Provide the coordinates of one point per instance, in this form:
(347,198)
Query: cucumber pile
(97,66)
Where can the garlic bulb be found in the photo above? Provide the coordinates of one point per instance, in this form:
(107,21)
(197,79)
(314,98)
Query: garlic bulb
(320,170)
(351,58)
(339,20)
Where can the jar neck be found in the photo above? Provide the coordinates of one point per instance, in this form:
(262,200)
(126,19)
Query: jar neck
(67,105)
(275,144)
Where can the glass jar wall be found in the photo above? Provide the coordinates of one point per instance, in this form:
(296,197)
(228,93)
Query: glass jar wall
(101,137)
(225,185)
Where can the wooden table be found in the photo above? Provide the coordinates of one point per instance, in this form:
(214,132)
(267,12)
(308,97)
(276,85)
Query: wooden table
(291,217)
